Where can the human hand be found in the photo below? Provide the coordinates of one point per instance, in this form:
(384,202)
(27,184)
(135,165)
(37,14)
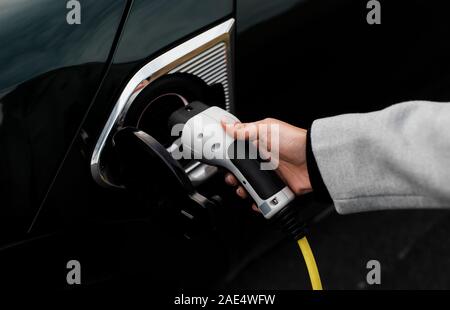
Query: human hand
(292,166)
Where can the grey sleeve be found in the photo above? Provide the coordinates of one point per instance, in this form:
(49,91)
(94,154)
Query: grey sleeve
(396,158)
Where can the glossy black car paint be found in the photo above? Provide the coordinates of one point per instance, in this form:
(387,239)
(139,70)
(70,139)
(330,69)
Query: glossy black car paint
(50,73)
(58,83)
(321,58)
(81,92)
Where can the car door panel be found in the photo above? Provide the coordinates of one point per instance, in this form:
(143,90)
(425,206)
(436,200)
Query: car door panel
(322,58)
(76,206)
(50,73)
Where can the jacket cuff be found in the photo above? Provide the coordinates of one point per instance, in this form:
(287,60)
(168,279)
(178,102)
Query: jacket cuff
(320,191)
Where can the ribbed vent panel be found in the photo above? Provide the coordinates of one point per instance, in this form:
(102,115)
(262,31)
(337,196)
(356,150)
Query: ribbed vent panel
(212,66)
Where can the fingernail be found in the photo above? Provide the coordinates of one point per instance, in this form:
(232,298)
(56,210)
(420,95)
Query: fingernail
(229,179)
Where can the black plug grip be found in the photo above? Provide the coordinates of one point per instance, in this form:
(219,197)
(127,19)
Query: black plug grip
(266,183)
(287,220)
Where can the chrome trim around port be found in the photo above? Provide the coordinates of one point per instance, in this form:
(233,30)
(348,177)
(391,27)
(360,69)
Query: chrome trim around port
(178,59)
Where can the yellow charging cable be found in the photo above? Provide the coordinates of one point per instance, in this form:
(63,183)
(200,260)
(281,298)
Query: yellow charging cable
(310,263)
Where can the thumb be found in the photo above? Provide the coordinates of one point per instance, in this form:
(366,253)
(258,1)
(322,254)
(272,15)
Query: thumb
(241,131)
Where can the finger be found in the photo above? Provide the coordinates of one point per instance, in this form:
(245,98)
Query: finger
(241,131)
(240,191)
(281,171)
(231,179)
(263,150)
(255,208)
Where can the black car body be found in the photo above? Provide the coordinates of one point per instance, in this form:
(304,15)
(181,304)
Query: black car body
(297,60)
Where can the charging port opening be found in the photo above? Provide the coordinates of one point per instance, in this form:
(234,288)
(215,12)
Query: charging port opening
(151,109)
(152,105)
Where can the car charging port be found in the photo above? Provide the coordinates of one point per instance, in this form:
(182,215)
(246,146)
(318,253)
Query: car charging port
(154,117)
(141,153)
(149,108)
(153,105)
